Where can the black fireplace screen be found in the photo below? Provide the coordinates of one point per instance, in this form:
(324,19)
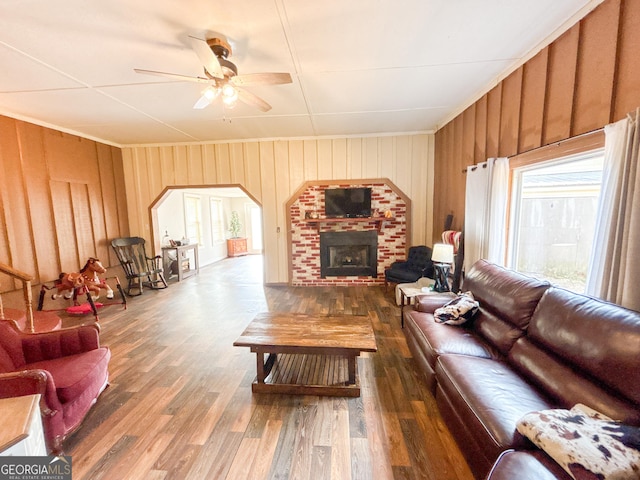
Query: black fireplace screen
(349,253)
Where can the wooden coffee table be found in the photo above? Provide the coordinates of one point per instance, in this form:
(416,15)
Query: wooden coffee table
(308,354)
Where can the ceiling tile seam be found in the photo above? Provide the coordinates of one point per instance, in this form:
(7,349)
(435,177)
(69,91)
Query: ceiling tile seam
(286,30)
(40,90)
(70,77)
(151,117)
(44,64)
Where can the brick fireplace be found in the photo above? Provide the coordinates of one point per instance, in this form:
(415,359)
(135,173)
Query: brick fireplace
(346,251)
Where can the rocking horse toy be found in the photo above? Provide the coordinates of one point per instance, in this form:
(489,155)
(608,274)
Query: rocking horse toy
(86,281)
(92,281)
(67,284)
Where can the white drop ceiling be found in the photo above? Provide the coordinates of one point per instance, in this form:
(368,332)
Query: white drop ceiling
(359,67)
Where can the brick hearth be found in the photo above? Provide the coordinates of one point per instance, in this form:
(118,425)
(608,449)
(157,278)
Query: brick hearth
(305,239)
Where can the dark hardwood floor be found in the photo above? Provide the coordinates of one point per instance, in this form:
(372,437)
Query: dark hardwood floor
(180,404)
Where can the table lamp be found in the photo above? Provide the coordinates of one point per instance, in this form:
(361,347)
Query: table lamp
(442,258)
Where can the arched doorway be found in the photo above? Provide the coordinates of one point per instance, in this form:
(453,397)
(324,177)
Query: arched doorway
(202,214)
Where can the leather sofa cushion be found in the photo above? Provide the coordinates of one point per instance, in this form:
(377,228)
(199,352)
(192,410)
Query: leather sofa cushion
(526,465)
(488,398)
(507,300)
(566,385)
(596,338)
(507,294)
(77,375)
(435,339)
(498,332)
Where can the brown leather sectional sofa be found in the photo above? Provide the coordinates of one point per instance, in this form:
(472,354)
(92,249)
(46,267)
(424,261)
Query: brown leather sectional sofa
(531,346)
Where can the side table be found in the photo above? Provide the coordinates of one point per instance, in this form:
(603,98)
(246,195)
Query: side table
(22,433)
(410,290)
(184,254)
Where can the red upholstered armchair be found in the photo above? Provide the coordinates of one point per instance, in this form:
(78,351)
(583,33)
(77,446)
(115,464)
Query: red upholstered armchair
(67,367)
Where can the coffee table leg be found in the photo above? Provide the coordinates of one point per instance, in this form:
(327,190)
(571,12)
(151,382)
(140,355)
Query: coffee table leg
(264,368)
(260,366)
(352,369)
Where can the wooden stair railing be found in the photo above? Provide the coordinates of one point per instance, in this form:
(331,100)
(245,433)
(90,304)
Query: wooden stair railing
(26,292)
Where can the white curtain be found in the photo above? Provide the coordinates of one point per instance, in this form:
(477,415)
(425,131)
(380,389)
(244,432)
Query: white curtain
(475,213)
(485,213)
(614,273)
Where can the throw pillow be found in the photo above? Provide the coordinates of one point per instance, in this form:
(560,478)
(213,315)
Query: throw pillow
(586,444)
(458,310)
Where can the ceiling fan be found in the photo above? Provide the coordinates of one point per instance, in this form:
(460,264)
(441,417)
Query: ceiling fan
(222,77)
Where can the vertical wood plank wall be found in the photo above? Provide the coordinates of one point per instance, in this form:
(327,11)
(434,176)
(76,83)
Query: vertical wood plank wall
(587,78)
(272,171)
(62,199)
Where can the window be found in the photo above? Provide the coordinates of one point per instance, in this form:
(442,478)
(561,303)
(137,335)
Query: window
(217,220)
(554,208)
(193,218)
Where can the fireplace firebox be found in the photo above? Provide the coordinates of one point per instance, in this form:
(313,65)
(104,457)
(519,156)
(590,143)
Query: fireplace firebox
(349,254)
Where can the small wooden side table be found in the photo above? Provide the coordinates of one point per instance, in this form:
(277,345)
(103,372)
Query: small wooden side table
(21,433)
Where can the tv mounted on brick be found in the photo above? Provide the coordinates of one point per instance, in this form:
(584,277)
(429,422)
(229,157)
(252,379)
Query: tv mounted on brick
(354,202)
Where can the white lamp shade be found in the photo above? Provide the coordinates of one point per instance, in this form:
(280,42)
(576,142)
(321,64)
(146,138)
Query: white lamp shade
(442,253)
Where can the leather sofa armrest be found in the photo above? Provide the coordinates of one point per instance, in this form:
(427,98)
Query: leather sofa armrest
(429,303)
(60,343)
(526,465)
(31,382)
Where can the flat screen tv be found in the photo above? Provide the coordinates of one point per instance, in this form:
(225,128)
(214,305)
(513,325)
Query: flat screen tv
(347,202)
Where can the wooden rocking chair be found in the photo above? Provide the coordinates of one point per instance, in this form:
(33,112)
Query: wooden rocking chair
(137,265)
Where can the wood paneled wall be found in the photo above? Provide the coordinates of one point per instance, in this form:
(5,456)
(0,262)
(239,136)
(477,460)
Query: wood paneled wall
(272,171)
(587,78)
(62,199)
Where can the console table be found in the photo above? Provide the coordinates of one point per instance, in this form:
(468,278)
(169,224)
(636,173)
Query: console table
(184,254)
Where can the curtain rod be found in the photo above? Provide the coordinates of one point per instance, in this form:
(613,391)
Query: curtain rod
(474,167)
(553,144)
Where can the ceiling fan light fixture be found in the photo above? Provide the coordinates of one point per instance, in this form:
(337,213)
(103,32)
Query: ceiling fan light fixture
(221,79)
(229,94)
(211,93)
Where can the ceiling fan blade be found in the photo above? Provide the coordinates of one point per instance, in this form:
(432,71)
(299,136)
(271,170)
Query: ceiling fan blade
(202,102)
(253,100)
(173,76)
(206,56)
(252,79)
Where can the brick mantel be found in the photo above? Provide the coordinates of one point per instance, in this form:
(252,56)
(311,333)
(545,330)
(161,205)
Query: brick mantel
(304,233)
